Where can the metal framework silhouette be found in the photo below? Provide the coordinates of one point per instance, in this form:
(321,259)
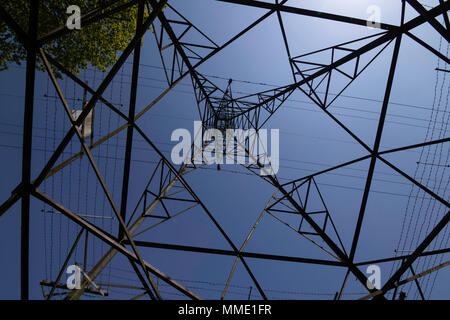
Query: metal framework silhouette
(218,108)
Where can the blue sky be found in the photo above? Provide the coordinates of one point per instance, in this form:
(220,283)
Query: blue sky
(309,142)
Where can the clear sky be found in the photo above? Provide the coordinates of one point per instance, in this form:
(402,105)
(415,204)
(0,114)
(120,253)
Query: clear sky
(398,216)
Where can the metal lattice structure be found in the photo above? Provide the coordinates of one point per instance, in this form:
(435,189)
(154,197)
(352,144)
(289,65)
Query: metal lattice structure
(218,108)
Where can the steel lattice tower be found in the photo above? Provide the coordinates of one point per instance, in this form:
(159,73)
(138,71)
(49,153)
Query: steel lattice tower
(218,107)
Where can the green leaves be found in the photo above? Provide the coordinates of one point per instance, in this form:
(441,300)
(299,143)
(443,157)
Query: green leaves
(97,45)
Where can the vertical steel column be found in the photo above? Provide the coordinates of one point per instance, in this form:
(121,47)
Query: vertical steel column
(26,152)
(131,112)
(377,144)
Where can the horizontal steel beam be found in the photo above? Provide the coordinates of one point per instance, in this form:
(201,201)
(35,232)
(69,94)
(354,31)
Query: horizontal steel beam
(59,285)
(310,13)
(402,257)
(254,255)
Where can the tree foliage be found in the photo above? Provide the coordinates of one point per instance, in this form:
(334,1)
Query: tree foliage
(97,44)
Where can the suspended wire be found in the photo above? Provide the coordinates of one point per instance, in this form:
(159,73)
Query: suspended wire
(428,214)
(424,165)
(106,164)
(70,228)
(52,192)
(402,233)
(184,118)
(284,159)
(260,84)
(441,173)
(277,86)
(47,275)
(116,148)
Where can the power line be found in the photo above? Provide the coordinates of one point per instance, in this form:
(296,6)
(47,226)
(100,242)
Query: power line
(265,84)
(244,173)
